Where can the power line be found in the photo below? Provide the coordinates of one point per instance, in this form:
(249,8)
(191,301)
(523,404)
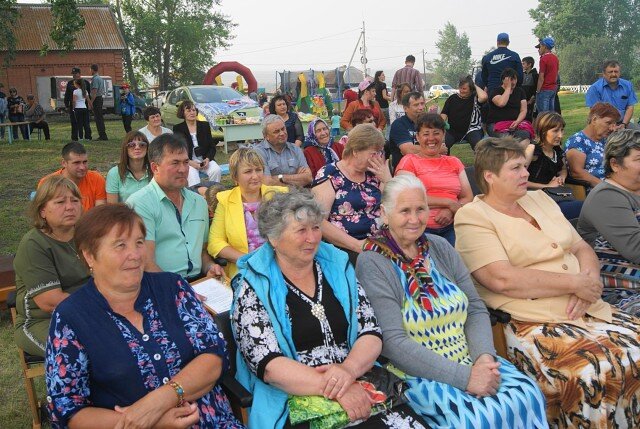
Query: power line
(293,44)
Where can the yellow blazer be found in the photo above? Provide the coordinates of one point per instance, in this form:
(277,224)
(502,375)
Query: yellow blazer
(228,227)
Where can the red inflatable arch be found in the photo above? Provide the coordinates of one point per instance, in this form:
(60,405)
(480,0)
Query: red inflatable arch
(210,77)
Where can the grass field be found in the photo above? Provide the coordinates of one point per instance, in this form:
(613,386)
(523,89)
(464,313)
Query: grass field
(22,164)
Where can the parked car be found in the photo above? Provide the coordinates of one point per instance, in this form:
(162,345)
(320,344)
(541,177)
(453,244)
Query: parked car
(211,101)
(437,91)
(159,99)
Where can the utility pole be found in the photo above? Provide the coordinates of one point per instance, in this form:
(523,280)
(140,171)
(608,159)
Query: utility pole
(363,51)
(424,68)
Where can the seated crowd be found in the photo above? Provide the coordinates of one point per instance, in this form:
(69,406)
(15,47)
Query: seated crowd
(347,268)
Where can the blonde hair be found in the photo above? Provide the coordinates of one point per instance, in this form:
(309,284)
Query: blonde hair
(363,137)
(246,156)
(50,188)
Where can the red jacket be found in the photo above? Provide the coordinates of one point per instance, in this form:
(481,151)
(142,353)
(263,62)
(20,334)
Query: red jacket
(315,158)
(345,121)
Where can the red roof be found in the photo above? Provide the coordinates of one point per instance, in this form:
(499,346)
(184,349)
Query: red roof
(34,25)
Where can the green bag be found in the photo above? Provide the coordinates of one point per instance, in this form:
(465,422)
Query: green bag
(383,386)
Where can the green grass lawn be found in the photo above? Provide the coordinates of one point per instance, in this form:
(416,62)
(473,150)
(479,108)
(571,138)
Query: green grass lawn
(22,164)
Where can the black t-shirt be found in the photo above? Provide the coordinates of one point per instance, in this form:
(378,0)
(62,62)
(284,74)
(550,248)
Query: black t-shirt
(458,111)
(510,111)
(380,87)
(542,168)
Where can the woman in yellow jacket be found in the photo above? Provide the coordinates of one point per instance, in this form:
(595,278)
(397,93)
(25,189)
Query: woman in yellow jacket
(234,230)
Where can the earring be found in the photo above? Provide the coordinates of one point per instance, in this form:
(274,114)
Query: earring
(91,270)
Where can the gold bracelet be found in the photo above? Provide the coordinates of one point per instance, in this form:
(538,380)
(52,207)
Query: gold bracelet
(179,392)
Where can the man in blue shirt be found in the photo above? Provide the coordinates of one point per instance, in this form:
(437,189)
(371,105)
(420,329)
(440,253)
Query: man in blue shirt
(176,219)
(284,162)
(610,88)
(496,61)
(402,136)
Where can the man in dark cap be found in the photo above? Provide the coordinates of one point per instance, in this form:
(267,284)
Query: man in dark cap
(548,75)
(68,103)
(494,63)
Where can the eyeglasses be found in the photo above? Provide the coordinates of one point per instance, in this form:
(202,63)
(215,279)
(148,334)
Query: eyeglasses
(131,145)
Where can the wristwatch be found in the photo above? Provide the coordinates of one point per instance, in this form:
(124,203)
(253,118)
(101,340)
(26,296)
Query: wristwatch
(281,178)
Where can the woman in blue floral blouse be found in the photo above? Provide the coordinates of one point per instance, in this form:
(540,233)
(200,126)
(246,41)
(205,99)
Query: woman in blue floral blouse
(349,190)
(132,349)
(585,149)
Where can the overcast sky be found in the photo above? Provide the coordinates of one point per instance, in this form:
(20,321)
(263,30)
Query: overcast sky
(298,35)
(294,35)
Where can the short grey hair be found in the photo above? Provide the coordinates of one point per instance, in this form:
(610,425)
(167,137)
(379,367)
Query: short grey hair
(619,144)
(268,120)
(275,213)
(398,184)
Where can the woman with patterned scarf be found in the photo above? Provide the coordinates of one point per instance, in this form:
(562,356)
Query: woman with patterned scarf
(319,147)
(436,330)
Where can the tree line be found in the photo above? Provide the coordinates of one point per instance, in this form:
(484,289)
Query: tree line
(587,33)
(173,40)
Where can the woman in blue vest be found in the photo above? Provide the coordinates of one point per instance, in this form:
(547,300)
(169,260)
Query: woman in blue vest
(132,349)
(303,324)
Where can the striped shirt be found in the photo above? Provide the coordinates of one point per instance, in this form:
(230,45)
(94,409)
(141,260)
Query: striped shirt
(409,75)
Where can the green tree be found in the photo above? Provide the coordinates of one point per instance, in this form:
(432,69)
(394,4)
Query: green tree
(67,22)
(175,40)
(455,56)
(575,22)
(9,14)
(581,62)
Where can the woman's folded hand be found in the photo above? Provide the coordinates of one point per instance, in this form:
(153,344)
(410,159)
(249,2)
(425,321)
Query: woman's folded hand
(336,379)
(485,377)
(588,286)
(577,307)
(180,418)
(356,402)
(146,411)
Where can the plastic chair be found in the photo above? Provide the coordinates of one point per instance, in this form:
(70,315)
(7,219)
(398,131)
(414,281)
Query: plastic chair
(498,320)
(32,367)
(471,175)
(578,187)
(239,397)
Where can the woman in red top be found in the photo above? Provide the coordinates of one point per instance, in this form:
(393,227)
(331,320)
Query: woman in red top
(366,100)
(447,183)
(319,147)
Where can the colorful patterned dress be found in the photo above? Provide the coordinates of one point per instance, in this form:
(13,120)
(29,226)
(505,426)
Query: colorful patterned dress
(621,278)
(97,358)
(590,375)
(356,208)
(434,316)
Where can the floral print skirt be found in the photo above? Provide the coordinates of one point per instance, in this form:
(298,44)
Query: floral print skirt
(590,377)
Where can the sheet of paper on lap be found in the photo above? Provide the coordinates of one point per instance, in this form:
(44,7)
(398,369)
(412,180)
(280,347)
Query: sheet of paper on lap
(218,295)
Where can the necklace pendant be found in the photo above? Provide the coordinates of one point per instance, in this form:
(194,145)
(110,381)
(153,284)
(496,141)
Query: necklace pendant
(317,310)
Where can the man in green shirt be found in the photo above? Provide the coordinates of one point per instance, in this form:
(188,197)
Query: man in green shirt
(98,91)
(176,219)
